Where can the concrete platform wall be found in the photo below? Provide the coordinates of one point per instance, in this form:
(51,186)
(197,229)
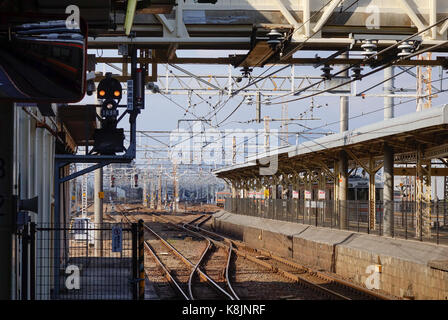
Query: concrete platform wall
(405,270)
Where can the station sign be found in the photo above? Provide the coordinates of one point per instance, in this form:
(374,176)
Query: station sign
(307,195)
(295,195)
(321,195)
(117,239)
(130,94)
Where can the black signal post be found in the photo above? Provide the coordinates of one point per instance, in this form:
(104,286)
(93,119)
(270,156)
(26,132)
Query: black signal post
(107,142)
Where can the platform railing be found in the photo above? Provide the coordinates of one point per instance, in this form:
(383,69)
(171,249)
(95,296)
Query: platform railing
(411,220)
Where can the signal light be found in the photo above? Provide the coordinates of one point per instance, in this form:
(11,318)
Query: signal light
(109,140)
(112,181)
(109,88)
(136,180)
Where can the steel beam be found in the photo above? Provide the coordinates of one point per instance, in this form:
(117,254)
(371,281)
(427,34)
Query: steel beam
(326,15)
(435,172)
(412,15)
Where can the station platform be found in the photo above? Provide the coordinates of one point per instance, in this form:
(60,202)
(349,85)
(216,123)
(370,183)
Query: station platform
(408,268)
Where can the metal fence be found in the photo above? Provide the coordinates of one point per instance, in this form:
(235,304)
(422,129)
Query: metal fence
(412,220)
(84,261)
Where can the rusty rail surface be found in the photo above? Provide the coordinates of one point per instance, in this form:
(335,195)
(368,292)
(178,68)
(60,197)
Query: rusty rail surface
(298,278)
(188,263)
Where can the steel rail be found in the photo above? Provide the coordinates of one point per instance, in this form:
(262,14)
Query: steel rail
(323,276)
(204,276)
(229,252)
(229,284)
(296,278)
(211,242)
(203,221)
(166,271)
(192,274)
(288,275)
(186,261)
(229,255)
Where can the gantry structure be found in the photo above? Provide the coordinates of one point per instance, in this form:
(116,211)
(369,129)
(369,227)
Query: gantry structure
(359,37)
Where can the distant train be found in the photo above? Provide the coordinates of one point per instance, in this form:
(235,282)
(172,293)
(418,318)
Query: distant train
(220,198)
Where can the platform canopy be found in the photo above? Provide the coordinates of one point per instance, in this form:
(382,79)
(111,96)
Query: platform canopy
(334,25)
(425,131)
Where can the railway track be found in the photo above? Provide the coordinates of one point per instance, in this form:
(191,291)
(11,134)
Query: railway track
(318,281)
(223,254)
(247,279)
(189,282)
(250,280)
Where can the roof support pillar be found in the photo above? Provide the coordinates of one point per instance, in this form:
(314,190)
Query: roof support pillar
(322,183)
(388,191)
(423,196)
(234,189)
(343,190)
(335,190)
(372,194)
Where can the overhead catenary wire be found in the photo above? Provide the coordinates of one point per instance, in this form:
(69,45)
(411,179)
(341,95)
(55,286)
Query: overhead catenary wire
(237,107)
(353,80)
(260,77)
(365,75)
(353,117)
(316,94)
(333,123)
(367,59)
(385,80)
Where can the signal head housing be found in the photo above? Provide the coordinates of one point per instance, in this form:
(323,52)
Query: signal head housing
(109,88)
